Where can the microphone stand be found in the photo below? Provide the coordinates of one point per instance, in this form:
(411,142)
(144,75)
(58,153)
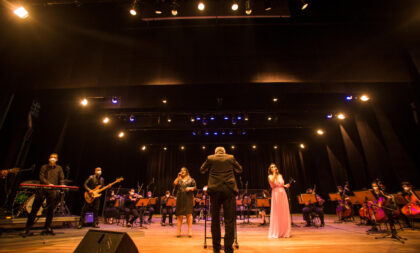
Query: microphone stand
(290,204)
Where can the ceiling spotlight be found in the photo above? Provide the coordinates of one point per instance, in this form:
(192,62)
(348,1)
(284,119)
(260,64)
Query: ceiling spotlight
(105,120)
(226,117)
(239,117)
(192,119)
(243,132)
(215,133)
(84,102)
(194,133)
(223,132)
(182,147)
(143,148)
(169,119)
(275,100)
(115,100)
(329,116)
(246,118)
(230,132)
(133,12)
(212,118)
(201,6)
(248,9)
(121,134)
(21,12)
(304,4)
(165,148)
(132,118)
(349,98)
(254,146)
(275,147)
(203,147)
(365,98)
(232,147)
(302,146)
(198,118)
(174,10)
(269,118)
(235,5)
(267,5)
(320,132)
(158,8)
(206,133)
(164,101)
(341,116)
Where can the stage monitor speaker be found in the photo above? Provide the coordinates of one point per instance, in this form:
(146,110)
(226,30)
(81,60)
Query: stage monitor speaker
(106,242)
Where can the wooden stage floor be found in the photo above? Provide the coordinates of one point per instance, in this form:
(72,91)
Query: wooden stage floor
(252,238)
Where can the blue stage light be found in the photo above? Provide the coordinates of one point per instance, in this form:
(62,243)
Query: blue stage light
(243,132)
(132,118)
(194,133)
(215,133)
(206,133)
(230,133)
(223,133)
(329,116)
(225,117)
(239,117)
(198,118)
(212,118)
(115,100)
(349,98)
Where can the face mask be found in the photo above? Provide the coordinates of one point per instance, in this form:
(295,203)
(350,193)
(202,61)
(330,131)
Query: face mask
(131,193)
(98,173)
(406,189)
(167,195)
(52,160)
(375,188)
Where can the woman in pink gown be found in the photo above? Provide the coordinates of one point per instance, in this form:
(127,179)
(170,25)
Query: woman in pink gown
(280,223)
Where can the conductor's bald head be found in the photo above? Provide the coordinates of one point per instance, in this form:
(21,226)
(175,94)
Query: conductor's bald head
(220,150)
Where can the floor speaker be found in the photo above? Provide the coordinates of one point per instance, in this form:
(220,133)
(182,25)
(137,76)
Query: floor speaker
(106,242)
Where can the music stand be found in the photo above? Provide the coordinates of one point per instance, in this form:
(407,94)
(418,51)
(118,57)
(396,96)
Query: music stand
(307,198)
(152,201)
(263,203)
(354,200)
(142,202)
(399,199)
(364,196)
(335,196)
(171,202)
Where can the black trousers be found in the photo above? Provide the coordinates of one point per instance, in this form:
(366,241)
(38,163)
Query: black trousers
(306,211)
(167,211)
(51,196)
(134,213)
(226,197)
(94,206)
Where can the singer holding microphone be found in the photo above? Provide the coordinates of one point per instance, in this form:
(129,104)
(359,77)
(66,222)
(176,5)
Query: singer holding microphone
(185,186)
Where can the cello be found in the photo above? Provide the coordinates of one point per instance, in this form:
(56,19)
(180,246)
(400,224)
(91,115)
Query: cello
(412,208)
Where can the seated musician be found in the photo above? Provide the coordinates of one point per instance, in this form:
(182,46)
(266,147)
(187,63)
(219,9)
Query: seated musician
(264,210)
(313,208)
(150,208)
(412,208)
(344,204)
(111,212)
(166,210)
(130,207)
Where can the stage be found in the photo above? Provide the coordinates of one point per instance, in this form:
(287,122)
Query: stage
(252,238)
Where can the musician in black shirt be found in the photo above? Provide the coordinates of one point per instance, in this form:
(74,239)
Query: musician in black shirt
(49,174)
(91,183)
(166,210)
(317,208)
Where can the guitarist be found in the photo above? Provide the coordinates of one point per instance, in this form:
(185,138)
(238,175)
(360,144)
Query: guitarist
(90,184)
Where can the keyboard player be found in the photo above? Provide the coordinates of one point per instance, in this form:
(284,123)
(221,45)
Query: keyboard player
(49,174)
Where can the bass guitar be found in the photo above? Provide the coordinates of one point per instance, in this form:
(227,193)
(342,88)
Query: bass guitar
(96,192)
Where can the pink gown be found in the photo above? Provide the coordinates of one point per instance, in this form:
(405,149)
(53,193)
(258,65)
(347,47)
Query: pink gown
(280,223)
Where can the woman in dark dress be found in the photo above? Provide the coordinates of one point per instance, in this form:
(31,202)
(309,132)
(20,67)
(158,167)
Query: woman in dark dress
(184,199)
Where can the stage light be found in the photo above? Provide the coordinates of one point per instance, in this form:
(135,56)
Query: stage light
(215,133)
(320,132)
(232,147)
(267,5)
(21,12)
(84,102)
(158,7)
(115,100)
(198,118)
(341,116)
(275,100)
(174,10)
(192,119)
(121,134)
(302,146)
(304,4)
(143,148)
(275,147)
(212,118)
(248,9)
(132,118)
(246,118)
(206,133)
(235,5)
(203,147)
(169,119)
(201,6)
(204,121)
(194,133)
(225,117)
(269,118)
(164,101)
(349,98)
(182,147)
(365,98)
(133,12)
(254,146)
(234,121)
(223,132)
(105,120)
(165,148)
(329,116)
(230,133)
(239,117)
(244,132)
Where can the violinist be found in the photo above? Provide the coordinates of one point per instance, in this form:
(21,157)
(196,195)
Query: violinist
(111,211)
(130,207)
(317,208)
(166,210)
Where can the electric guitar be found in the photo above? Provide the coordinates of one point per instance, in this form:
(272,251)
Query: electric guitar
(96,192)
